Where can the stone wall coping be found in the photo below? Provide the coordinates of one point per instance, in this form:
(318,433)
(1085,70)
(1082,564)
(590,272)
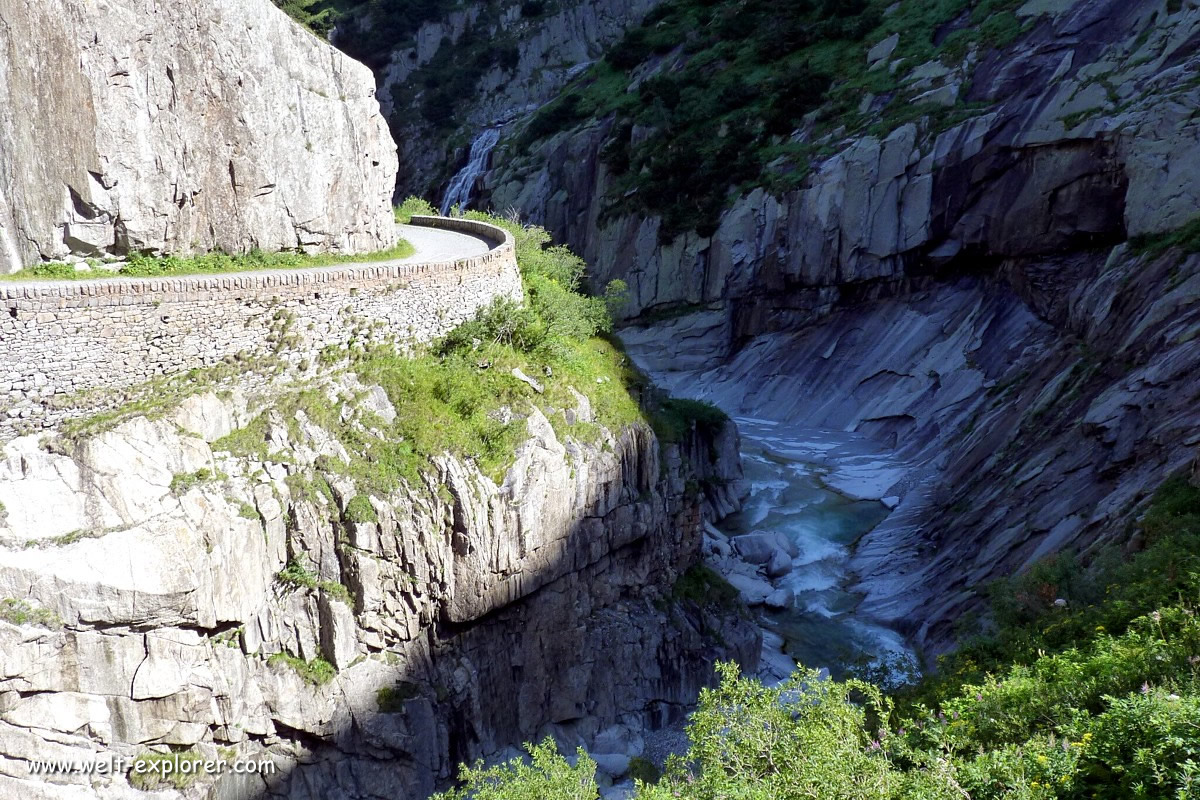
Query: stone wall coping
(502,246)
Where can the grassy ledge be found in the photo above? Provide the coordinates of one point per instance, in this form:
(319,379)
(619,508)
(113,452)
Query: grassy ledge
(460,395)
(146,266)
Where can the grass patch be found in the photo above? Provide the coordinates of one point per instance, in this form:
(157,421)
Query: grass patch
(154,771)
(1186,238)
(318,672)
(184,482)
(706,588)
(19,612)
(148,266)
(359,510)
(391,699)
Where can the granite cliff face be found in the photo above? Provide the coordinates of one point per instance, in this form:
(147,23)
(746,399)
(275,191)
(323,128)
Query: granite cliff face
(1079,135)
(165,575)
(549,45)
(970,297)
(131,125)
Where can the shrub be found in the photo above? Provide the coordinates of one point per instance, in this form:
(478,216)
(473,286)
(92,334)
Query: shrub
(318,672)
(414,206)
(360,510)
(19,612)
(152,771)
(548,776)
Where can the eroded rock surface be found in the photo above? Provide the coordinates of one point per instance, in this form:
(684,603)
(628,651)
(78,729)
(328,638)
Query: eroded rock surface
(132,125)
(180,591)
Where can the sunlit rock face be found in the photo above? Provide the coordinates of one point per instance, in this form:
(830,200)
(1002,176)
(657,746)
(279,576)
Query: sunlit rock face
(965,295)
(157,589)
(131,125)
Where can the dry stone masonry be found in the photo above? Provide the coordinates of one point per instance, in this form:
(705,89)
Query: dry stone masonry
(61,339)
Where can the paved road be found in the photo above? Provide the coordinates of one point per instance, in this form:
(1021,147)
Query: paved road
(432,245)
(435,244)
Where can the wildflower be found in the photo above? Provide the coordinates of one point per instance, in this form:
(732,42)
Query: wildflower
(979,698)
(1043,760)
(1145,687)
(1172,697)
(1156,616)
(874,744)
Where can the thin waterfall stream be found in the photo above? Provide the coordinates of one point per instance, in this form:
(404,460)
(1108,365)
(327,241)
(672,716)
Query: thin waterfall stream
(458,193)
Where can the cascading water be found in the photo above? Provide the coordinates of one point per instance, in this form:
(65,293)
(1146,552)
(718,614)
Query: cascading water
(459,191)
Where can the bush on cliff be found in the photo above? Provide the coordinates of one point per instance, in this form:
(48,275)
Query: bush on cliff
(461,395)
(1053,706)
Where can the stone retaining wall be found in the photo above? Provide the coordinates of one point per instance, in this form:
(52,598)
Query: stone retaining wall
(62,338)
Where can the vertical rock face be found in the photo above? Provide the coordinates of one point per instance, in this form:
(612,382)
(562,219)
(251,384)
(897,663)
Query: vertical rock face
(157,590)
(130,125)
(1081,134)
(549,46)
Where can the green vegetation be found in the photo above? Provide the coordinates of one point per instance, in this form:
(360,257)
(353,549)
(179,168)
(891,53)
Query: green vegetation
(391,699)
(19,612)
(296,576)
(1186,238)
(460,395)
(740,93)
(179,770)
(417,206)
(1097,696)
(706,588)
(318,672)
(186,481)
(548,776)
(359,509)
(148,266)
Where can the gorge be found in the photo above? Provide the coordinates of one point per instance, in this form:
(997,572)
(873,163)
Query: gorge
(879,359)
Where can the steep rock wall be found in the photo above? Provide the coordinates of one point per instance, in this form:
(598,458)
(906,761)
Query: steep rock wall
(1050,159)
(133,125)
(550,48)
(486,614)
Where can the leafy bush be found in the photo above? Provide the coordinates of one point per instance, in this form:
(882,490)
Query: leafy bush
(548,776)
(360,510)
(19,612)
(414,206)
(318,672)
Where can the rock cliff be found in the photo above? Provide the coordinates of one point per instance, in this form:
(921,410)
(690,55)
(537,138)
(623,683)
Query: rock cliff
(452,78)
(986,296)
(1078,135)
(167,583)
(131,125)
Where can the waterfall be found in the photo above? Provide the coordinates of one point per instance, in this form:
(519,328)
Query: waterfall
(459,191)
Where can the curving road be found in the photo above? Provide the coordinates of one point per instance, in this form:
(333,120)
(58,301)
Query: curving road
(435,244)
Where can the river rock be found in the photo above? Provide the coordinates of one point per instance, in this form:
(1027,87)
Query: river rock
(780,599)
(779,565)
(756,548)
(754,591)
(614,765)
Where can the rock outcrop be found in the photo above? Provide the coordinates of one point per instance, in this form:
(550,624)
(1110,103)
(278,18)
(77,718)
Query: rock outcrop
(159,590)
(974,300)
(550,43)
(1078,135)
(131,125)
